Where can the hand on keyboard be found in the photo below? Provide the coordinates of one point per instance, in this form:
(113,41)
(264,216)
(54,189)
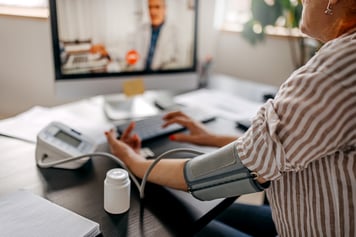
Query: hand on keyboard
(151,127)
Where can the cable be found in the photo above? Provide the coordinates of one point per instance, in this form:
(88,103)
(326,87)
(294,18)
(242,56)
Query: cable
(150,168)
(42,164)
(203,221)
(141,187)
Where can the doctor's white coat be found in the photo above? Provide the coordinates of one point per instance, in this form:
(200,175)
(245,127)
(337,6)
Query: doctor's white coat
(170,52)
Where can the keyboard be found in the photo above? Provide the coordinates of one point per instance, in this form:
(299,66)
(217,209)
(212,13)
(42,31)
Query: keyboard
(84,61)
(151,127)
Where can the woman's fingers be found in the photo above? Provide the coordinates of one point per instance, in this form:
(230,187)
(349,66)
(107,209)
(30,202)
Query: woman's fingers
(179,120)
(174,114)
(111,136)
(127,133)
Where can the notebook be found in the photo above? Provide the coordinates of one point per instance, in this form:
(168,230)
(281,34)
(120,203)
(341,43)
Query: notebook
(23,213)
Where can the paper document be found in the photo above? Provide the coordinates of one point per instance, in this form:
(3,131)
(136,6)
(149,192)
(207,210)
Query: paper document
(25,214)
(221,104)
(26,125)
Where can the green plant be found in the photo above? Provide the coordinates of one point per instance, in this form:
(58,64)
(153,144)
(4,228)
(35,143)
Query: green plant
(286,13)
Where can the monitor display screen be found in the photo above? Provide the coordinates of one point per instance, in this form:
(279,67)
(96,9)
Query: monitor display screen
(116,38)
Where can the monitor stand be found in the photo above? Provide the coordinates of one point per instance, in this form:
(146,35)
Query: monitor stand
(121,107)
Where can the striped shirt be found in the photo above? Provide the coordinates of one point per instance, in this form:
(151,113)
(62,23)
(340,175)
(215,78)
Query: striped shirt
(304,141)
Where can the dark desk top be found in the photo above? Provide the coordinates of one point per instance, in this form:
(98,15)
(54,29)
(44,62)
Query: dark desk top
(163,212)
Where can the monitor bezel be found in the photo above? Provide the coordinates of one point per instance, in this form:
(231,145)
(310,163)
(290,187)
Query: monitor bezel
(60,76)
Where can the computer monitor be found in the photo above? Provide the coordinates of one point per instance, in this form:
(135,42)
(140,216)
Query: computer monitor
(100,44)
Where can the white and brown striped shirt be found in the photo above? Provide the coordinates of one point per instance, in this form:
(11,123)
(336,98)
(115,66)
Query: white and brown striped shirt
(304,141)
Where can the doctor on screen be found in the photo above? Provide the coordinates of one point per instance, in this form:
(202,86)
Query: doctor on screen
(157,44)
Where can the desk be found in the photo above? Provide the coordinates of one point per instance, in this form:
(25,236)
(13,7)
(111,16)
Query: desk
(163,212)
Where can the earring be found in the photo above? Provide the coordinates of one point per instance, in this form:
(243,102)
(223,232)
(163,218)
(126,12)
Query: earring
(328,11)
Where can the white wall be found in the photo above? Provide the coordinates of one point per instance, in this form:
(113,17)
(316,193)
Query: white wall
(269,62)
(26,65)
(26,71)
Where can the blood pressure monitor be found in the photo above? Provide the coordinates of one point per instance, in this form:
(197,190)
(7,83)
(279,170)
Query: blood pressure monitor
(57,141)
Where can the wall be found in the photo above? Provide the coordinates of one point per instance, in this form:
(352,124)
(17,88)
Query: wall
(26,71)
(269,62)
(26,65)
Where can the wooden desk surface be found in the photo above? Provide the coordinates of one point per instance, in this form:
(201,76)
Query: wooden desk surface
(163,212)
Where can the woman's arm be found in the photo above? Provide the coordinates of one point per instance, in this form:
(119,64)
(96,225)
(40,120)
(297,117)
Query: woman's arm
(168,172)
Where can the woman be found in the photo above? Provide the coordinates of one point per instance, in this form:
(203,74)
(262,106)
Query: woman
(303,141)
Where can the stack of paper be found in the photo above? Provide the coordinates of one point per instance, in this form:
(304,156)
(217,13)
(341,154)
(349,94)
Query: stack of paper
(26,125)
(25,214)
(223,104)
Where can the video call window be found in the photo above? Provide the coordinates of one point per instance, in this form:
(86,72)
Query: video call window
(121,36)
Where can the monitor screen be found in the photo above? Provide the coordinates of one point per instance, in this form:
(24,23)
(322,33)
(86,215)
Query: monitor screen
(99,44)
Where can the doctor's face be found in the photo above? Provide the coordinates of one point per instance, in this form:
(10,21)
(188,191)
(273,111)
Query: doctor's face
(157,10)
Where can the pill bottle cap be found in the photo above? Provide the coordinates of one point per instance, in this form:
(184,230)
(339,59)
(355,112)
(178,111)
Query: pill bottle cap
(117,176)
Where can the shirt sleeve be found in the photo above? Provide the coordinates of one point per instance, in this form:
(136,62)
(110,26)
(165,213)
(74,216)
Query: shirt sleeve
(313,115)
(260,148)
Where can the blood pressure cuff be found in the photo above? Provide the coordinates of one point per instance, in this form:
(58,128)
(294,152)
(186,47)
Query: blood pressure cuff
(220,174)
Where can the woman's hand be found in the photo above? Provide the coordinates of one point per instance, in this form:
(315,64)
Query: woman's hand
(127,148)
(133,140)
(198,133)
(168,172)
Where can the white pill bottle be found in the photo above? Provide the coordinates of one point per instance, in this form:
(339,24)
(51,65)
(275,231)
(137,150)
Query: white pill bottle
(117,191)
